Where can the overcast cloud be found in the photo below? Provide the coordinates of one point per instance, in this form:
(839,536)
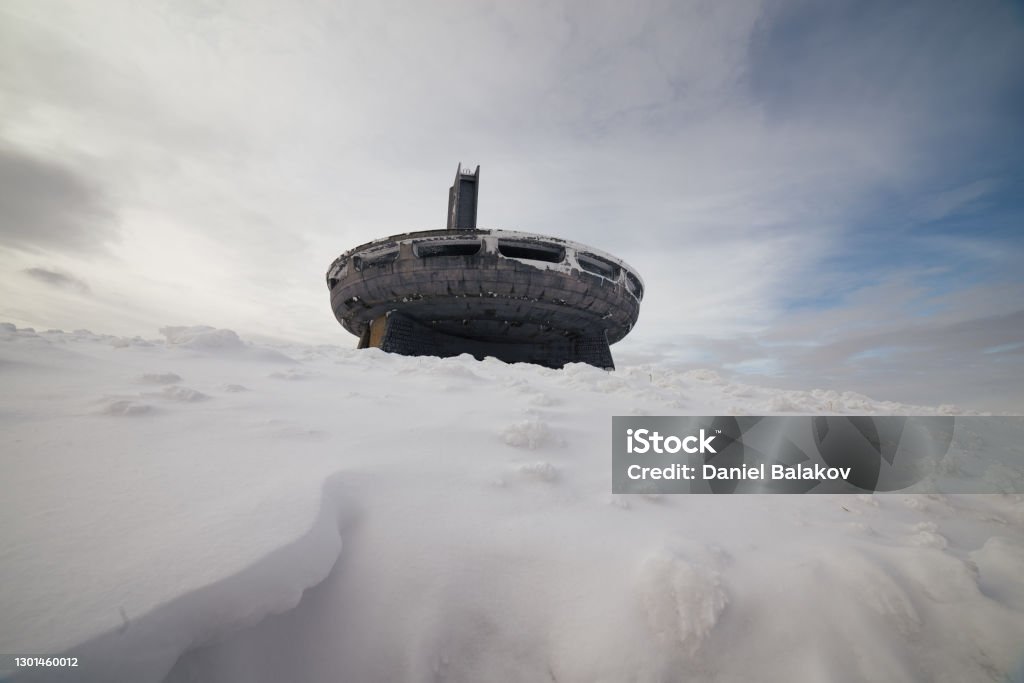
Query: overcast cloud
(817,194)
(49,207)
(57,279)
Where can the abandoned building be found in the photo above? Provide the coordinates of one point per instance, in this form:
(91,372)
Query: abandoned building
(516,296)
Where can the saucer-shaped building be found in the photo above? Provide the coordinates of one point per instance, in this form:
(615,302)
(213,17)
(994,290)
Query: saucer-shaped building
(517,296)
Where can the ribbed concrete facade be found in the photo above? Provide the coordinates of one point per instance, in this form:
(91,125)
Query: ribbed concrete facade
(515,296)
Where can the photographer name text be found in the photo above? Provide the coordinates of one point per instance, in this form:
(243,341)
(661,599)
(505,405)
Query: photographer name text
(643,441)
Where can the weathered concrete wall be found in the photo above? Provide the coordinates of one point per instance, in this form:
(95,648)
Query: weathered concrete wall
(484,303)
(409,337)
(462,199)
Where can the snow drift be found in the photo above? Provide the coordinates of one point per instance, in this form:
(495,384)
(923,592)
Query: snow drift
(200,508)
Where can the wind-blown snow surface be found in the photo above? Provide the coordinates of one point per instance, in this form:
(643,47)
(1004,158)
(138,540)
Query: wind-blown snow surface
(327,514)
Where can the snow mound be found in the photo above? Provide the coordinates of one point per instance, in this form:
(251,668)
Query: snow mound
(182,394)
(453,368)
(999,564)
(219,342)
(125,408)
(160,378)
(682,601)
(528,434)
(539,471)
(292,374)
(542,400)
(125,342)
(201,337)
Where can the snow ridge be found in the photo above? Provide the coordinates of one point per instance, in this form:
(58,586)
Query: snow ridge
(144,648)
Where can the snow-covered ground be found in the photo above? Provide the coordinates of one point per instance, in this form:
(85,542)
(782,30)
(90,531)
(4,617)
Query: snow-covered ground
(196,507)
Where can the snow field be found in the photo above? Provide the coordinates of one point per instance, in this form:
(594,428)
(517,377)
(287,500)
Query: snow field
(203,508)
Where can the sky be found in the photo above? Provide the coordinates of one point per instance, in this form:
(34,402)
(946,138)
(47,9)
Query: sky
(818,195)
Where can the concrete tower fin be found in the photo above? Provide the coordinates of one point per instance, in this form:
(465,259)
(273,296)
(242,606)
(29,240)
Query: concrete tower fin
(462,199)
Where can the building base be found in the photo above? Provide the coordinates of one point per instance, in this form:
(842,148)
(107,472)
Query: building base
(402,334)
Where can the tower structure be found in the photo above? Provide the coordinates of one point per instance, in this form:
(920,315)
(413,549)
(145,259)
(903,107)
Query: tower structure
(462,199)
(516,296)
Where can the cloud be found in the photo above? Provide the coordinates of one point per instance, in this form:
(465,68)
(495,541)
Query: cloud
(967,354)
(57,279)
(46,206)
(943,204)
(800,184)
